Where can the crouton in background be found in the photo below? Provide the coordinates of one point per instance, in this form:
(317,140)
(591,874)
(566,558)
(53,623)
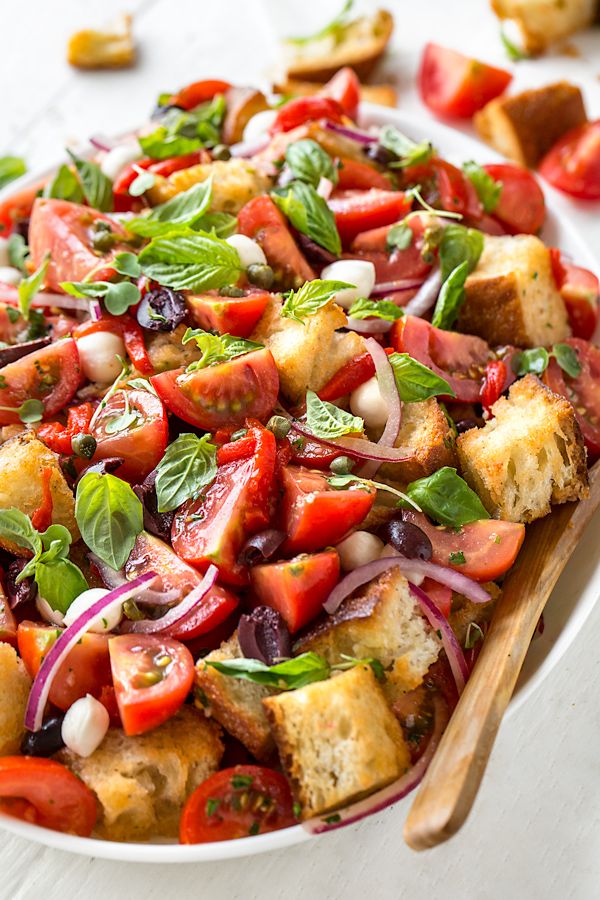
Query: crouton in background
(15,685)
(109,48)
(542,22)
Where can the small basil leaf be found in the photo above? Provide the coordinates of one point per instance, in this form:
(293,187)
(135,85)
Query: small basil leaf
(109,516)
(376,309)
(11,167)
(451,298)
(309,299)
(459,244)
(328,421)
(190,260)
(59,582)
(18,252)
(400,237)
(16,527)
(162,145)
(415,381)
(309,214)
(289,675)
(184,210)
(409,152)
(97,188)
(29,287)
(189,464)
(64,186)
(533,361)
(488,189)
(566,357)
(309,162)
(217,348)
(447,498)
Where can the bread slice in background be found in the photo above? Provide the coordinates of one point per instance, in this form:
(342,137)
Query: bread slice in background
(542,22)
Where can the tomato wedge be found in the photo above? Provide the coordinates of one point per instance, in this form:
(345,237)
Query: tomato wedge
(17,207)
(354,175)
(140,441)
(583,392)
(580,289)
(51,375)
(297,588)
(260,220)
(305,109)
(50,795)
(573,164)
(489,546)
(345,88)
(152,675)
(521,208)
(398,264)
(198,92)
(228,315)
(440,594)
(357,211)
(235,803)
(451,84)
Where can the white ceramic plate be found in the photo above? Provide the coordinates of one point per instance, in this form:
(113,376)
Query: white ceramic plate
(570,605)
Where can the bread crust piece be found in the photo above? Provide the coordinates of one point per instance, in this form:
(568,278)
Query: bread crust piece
(529,456)
(511,297)
(235,182)
(15,685)
(338,740)
(525,126)
(427,435)
(541,22)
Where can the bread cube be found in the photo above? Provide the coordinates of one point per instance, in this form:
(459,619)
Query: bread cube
(541,22)
(338,740)
(529,456)
(235,182)
(511,297)
(15,685)
(166,350)
(111,48)
(429,438)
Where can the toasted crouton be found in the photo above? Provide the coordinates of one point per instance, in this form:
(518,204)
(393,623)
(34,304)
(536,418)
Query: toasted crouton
(234,703)
(542,22)
(382,94)
(337,739)
(167,352)
(530,455)
(242,104)
(109,48)
(235,182)
(15,684)
(142,782)
(511,297)
(22,463)
(428,436)
(306,354)
(525,126)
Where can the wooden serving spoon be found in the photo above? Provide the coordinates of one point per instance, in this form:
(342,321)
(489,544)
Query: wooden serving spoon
(450,786)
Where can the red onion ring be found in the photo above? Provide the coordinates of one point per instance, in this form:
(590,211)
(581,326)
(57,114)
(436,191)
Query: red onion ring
(369,326)
(389,393)
(402,284)
(439,622)
(356,446)
(355,134)
(95,310)
(426,296)
(100,142)
(175,615)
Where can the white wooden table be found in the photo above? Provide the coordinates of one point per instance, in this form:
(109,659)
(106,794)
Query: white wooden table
(535,830)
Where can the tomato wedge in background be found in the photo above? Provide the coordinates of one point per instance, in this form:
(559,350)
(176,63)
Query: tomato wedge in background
(357,211)
(46,793)
(305,109)
(315,515)
(345,88)
(17,207)
(573,164)
(354,175)
(452,84)
(141,442)
(489,546)
(260,220)
(228,315)
(236,802)
(51,375)
(583,392)
(152,676)
(198,92)
(297,588)
(580,289)
(521,207)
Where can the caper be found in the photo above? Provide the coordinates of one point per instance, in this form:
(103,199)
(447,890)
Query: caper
(240,433)
(83,445)
(231,290)
(341,465)
(261,275)
(103,238)
(221,151)
(280,426)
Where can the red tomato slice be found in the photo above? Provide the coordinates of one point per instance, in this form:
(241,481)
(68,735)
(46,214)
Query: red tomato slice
(51,375)
(142,443)
(198,92)
(260,220)
(573,164)
(305,109)
(152,675)
(440,594)
(357,211)
(583,392)
(521,208)
(235,803)
(17,207)
(224,395)
(50,795)
(314,515)
(354,175)
(399,264)
(451,84)
(495,382)
(228,315)
(354,373)
(297,588)
(489,546)
(213,528)
(86,669)
(580,289)
(345,88)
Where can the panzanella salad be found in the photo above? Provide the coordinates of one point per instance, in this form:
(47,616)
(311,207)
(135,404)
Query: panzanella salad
(278,397)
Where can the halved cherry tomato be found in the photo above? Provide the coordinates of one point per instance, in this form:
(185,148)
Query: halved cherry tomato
(521,208)
(8,623)
(573,164)
(222,395)
(314,515)
(51,375)
(50,794)
(127,328)
(445,186)
(489,546)
(494,383)
(440,594)
(354,175)
(305,109)
(141,442)
(235,803)
(345,88)
(213,528)
(451,84)
(228,315)
(260,220)
(86,669)
(580,289)
(198,92)
(583,392)
(297,588)
(357,211)
(152,675)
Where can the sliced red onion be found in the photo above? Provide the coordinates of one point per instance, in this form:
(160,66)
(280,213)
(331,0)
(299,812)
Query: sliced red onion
(114,578)
(426,296)
(177,613)
(324,187)
(393,792)
(101,142)
(402,284)
(57,653)
(246,149)
(369,326)
(355,134)
(13,352)
(390,396)
(95,310)
(439,622)
(356,446)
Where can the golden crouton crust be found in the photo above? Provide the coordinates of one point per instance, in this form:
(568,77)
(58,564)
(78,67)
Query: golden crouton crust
(541,22)
(167,352)
(337,739)
(525,126)
(142,782)
(15,684)
(235,182)
(22,460)
(112,48)
(429,438)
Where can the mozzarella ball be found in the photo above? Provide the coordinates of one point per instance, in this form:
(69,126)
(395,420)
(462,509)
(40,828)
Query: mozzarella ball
(358,549)
(258,126)
(10,275)
(359,272)
(249,251)
(119,157)
(111,616)
(98,354)
(366,401)
(85,725)
(4,257)
(53,616)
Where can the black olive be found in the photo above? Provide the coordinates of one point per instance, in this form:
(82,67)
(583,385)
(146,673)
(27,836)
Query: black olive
(110,464)
(466,425)
(406,538)
(22,592)
(380,154)
(83,445)
(154,521)
(261,547)
(264,635)
(261,275)
(161,310)
(45,742)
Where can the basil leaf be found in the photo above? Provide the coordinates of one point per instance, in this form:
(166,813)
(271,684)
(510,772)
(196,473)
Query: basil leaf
(30,411)
(309,214)
(18,252)
(162,145)
(127,264)
(451,298)
(415,382)
(534,360)
(309,162)
(328,421)
(109,516)
(190,260)
(376,309)
(16,527)
(459,244)
(185,131)
(64,186)
(188,465)
(514,53)
(447,498)
(57,537)
(97,188)
(11,167)
(309,299)
(182,210)
(566,357)
(287,676)
(217,348)
(400,237)
(221,224)
(59,582)
(409,152)
(488,189)
(337,25)
(29,287)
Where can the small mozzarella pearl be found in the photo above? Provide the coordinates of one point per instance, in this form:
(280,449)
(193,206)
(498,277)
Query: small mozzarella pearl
(85,725)
(249,251)
(98,354)
(10,275)
(358,549)
(111,616)
(119,157)
(4,257)
(359,272)
(366,401)
(258,126)
(53,616)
